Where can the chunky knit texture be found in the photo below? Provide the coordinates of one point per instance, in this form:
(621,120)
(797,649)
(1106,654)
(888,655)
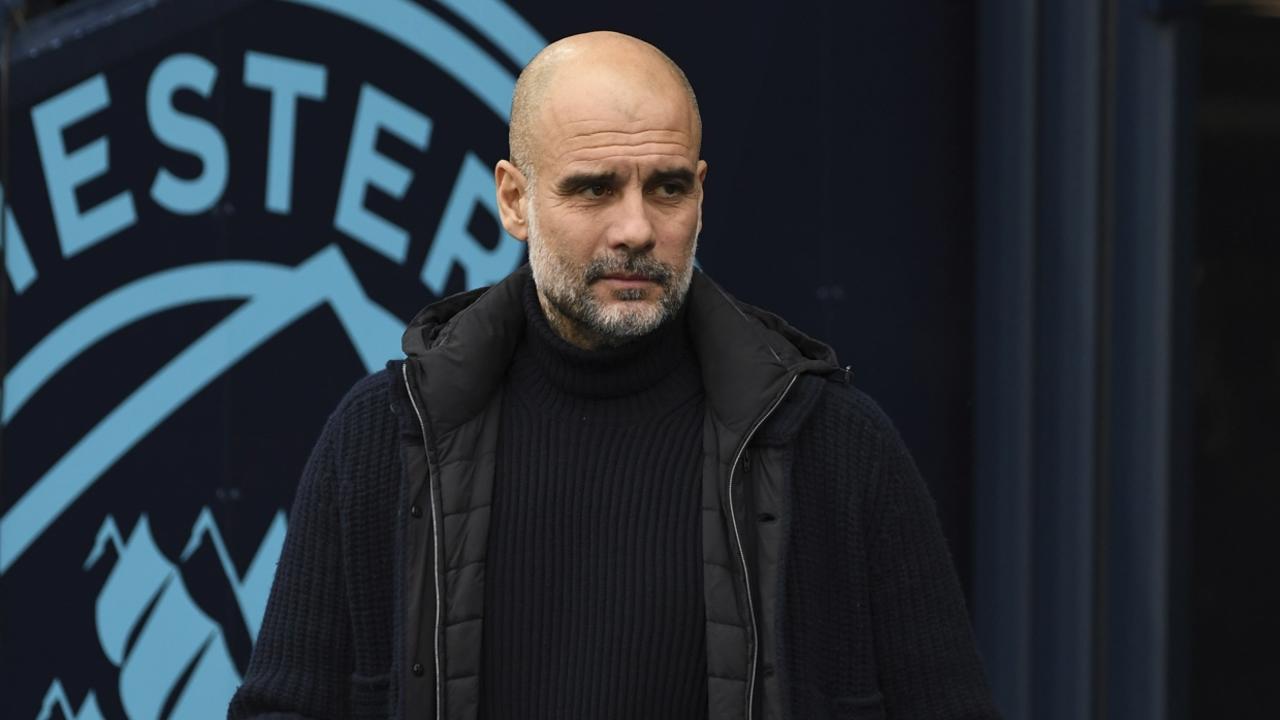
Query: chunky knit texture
(593,589)
(326,645)
(872,615)
(871,621)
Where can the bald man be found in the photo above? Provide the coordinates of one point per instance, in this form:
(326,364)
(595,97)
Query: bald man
(603,488)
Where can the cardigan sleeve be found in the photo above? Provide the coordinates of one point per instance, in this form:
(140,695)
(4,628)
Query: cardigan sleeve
(301,662)
(926,655)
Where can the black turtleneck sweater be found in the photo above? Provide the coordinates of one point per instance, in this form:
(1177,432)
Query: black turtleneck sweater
(593,589)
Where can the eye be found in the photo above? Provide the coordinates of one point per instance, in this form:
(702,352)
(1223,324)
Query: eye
(671,190)
(595,192)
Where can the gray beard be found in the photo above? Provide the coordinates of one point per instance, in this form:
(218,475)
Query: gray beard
(577,315)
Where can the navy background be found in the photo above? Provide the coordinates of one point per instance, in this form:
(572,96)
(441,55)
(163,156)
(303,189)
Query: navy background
(839,138)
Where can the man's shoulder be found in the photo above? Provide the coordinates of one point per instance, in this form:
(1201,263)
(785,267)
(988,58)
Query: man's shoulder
(848,402)
(369,393)
(367,412)
(830,410)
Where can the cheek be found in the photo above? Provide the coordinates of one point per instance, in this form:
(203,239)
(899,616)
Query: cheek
(677,231)
(571,235)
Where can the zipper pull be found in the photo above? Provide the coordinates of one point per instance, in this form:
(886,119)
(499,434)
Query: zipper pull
(746,460)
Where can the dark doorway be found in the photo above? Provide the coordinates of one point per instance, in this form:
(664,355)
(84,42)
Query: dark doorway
(1235,587)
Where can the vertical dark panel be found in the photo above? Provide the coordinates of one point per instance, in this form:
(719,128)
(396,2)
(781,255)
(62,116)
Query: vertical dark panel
(1081,237)
(1065,373)
(1007,43)
(1181,404)
(5,46)
(1234,586)
(1148,143)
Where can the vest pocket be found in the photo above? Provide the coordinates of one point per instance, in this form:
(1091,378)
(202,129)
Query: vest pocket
(370,696)
(860,707)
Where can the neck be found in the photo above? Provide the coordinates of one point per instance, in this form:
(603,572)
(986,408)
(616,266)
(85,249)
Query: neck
(634,370)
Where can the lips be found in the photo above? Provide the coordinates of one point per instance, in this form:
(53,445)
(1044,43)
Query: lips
(630,278)
(632,271)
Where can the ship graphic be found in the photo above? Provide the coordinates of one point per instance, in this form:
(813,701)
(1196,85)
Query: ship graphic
(56,697)
(173,658)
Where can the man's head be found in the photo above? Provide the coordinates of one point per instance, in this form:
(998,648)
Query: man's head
(605,184)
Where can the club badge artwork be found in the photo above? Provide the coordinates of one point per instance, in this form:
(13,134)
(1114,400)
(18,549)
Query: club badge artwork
(207,241)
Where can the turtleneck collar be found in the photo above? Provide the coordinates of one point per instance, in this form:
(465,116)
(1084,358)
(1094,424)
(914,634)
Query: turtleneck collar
(652,373)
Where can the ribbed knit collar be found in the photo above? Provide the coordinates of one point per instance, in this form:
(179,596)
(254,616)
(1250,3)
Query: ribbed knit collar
(654,373)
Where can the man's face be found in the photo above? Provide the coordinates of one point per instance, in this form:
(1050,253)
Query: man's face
(615,211)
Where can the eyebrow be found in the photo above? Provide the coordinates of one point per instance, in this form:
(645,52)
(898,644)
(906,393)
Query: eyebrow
(573,183)
(577,181)
(682,175)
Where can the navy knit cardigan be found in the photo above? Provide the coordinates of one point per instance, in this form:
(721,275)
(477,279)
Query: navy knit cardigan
(872,621)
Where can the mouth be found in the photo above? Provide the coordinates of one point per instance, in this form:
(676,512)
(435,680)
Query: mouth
(629,279)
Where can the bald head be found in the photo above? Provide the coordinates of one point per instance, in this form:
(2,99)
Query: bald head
(632,71)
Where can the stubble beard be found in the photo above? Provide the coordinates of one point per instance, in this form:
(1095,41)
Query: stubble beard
(577,315)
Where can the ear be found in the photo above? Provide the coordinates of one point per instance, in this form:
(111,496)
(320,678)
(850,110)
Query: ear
(512,196)
(701,174)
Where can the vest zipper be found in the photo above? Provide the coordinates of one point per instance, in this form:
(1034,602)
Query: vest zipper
(742,556)
(435,537)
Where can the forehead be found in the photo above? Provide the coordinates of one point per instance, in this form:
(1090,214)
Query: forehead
(601,119)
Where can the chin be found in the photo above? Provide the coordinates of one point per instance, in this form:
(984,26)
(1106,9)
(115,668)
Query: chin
(636,297)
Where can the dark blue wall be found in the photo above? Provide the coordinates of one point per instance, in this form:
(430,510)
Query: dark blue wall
(839,138)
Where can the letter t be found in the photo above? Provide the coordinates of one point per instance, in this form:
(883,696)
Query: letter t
(286,80)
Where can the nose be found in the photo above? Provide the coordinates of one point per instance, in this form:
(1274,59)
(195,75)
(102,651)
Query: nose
(630,227)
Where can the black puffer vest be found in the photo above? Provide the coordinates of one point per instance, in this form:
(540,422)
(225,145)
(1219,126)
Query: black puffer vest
(829,588)
(458,352)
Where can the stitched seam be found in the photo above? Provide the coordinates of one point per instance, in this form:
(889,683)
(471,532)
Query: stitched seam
(463,566)
(465,511)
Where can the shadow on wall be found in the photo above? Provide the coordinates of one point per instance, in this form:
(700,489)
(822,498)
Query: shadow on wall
(1235,589)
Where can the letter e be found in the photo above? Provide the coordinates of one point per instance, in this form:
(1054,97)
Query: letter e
(377,111)
(65,171)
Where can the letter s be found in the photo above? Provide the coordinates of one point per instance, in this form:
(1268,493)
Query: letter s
(187,133)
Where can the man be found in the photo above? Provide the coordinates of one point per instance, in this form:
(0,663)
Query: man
(603,488)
